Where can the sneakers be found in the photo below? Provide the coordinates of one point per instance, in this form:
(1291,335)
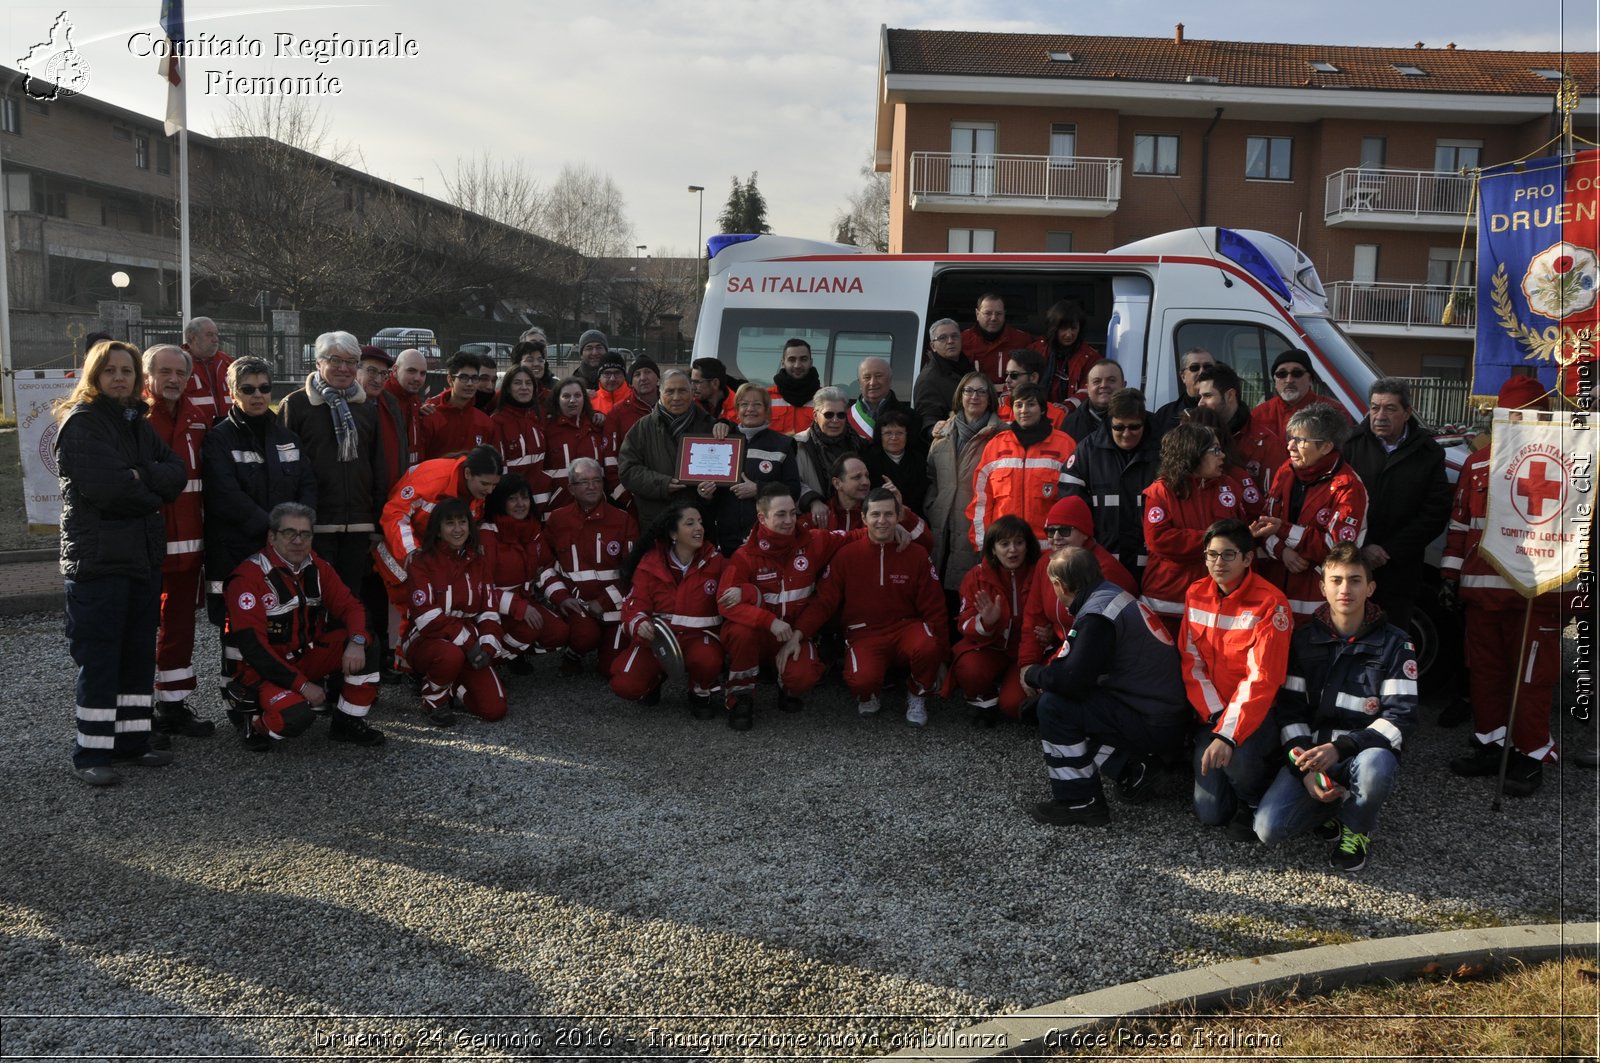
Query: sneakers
(916,710)
(254,735)
(176,718)
(98,775)
(571,663)
(869,707)
(354,729)
(1089,813)
(1134,785)
(150,758)
(741,714)
(787,702)
(441,715)
(1328,830)
(1349,853)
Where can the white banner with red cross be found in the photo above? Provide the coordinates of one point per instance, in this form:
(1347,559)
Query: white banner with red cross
(1541,497)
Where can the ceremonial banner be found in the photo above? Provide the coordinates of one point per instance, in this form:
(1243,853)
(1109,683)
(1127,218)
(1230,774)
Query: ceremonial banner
(37,391)
(1538,269)
(1541,498)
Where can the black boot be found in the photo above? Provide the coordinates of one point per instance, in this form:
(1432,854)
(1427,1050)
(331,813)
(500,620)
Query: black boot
(176,718)
(1483,760)
(1523,775)
(353,729)
(741,714)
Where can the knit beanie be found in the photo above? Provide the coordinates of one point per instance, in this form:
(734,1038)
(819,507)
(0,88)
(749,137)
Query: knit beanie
(1523,392)
(1293,357)
(1072,513)
(593,335)
(644,361)
(613,360)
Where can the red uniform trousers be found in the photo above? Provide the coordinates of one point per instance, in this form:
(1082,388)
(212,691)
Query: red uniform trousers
(989,678)
(585,633)
(638,672)
(521,636)
(444,670)
(285,713)
(909,643)
(749,646)
(1492,676)
(180,599)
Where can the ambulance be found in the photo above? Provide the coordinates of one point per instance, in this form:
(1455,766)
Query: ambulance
(1245,296)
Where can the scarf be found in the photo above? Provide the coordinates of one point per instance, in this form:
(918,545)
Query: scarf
(344,424)
(1304,478)
(676,425)
(967,431)
(751,433)
(797,393)
(1035,435)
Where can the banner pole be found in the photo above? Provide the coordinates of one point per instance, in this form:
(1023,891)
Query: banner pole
(1516,696)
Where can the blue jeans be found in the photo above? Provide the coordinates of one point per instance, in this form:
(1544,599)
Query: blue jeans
(1219,793)
(1289,809)
(111,629)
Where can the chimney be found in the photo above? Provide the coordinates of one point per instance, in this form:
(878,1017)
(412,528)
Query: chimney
(1177,34)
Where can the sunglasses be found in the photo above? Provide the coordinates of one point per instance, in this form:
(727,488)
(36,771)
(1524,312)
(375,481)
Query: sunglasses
(1127,427)
(1198,368)
(1015,376)
(1285,374)
(832,415)
(255,389)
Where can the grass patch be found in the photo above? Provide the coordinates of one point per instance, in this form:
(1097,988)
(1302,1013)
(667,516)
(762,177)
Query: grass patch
(1546,1011)
(1247,935)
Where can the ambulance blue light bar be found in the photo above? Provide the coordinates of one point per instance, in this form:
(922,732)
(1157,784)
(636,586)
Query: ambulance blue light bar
(1238,248)
(717,243)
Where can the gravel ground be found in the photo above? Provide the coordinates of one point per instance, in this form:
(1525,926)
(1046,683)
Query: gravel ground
(648,882)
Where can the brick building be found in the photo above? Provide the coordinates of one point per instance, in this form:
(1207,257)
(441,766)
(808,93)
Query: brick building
(1032,142)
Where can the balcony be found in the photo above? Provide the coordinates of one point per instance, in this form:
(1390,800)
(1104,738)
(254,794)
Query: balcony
(1398,199)
(1404,310)
(1066,186)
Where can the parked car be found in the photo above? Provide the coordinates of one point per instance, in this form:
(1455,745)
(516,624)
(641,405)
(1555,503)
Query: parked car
(395,340)
(501,351)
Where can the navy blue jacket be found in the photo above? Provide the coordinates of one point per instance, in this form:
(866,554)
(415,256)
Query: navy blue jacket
(247,469)
(1358,692)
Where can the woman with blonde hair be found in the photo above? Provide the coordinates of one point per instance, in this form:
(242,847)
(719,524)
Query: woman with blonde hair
(958,443)
(116,474)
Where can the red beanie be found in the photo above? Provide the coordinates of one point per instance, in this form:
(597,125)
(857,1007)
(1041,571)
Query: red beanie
(1522,392)
(1073,513)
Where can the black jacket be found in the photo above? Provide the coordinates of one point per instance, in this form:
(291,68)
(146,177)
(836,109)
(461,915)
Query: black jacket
(351,493)
(1113,481)
(1083,423)
(769,456)
(1408,496)
(247,470)
(116,474)
(934,393)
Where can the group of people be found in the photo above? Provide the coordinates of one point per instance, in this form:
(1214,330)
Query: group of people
(1025,531)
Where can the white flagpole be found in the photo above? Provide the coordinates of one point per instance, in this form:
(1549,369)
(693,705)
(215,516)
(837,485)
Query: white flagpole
(183,197)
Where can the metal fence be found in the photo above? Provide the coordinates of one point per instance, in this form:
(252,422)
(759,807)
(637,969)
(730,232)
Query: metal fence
(1407,305)
(1038,177)
(1438,403)
(1431,194)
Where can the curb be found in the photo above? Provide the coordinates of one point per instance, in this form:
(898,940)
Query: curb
(23,604)
(13,557)
(1054,1028)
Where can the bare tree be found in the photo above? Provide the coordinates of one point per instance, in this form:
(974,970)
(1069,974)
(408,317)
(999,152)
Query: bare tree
(864,220)
(644,289)
(584,213)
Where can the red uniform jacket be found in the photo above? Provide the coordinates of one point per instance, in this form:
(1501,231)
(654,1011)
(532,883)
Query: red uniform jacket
(849,520)
(686,601)
(786,418)
(1066,384)
(184,430)
(589,548)
(989,356)
(1263,454)
(1236,653)
(1333,510)
(1011,590)
(1272,414)
(624,416)
(517,552)
(400,428)
(1174,535)
(783,570)
(276,613)
(521,435)
(567,439)
(449,596)
(208,385)
(1043,607)
(873,588)
(405,517)
(604,401)
(455,429)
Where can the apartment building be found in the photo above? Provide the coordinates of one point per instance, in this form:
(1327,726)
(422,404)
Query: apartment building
(1361,156)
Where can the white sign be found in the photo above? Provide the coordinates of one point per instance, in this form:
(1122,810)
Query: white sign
(37,391)
(1541,497)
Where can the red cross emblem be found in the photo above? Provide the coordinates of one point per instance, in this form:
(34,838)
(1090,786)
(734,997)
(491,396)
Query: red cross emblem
(1535,488)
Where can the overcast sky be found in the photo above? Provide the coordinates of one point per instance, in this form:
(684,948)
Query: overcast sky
(661,96)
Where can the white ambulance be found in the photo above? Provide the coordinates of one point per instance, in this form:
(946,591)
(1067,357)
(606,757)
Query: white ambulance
(1243,295)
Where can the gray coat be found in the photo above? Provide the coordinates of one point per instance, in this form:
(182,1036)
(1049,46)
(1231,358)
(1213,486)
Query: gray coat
(949,491)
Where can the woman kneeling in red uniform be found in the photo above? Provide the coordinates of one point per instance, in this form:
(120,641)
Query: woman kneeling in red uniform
(672,576)
(993,595)
(520,564)
(453,628)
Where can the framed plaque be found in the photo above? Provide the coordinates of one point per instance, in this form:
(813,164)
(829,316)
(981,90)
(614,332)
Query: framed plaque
(705,459)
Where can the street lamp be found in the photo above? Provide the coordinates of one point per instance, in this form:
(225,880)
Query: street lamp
(699,231)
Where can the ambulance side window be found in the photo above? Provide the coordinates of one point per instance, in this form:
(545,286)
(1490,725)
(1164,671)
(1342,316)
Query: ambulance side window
(1247,347)
(849,350)
(751,343)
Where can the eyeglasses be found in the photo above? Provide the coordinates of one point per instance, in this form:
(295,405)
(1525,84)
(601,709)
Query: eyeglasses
(832,415)
(347,363)
(255,389)
(294,535)
(583,483)
(1218,451)
(974,391)
(1057,531)
(1015,376)
(1227,557)
(1198,368)
(1285,374)
(947,337)
(1302,441)
(378,371)
(1139,427)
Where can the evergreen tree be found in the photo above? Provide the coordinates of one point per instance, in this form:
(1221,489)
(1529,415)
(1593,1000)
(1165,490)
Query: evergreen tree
(746,209)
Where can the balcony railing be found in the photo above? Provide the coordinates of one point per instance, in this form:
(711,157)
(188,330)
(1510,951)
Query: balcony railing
(1401,305)
(1046,181)
(1423,195)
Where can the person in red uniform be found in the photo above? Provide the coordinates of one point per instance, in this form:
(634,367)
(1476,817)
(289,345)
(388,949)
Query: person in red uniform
(644,383)
(1261,453)
(589,538)
(294,625)
(400,414)
(455,425)
(713,388)
(519,425)
(208,370)
(571,432)
(1235,644)
(1045,617)
(411,503)
(793,388)
(852,483)
(530,351)
(453,631)
(1067,357)
(613,390)
(182,426)
(673,578)
(520,565)
(1027,367)
(988,341)
(1233,462)
(1294,388)
(994,596)
(1317,501)
(1022,470)
(1494,615)
(782,561)
(1188,495)
(891,608)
